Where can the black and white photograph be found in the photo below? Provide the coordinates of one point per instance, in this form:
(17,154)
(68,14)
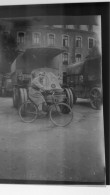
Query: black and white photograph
(51,100)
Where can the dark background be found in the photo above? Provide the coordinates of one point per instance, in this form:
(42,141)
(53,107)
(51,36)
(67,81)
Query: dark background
(70,10)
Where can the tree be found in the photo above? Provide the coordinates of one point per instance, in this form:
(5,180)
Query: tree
(8,50)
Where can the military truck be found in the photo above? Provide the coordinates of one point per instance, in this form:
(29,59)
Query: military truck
(39,59)
(85,80)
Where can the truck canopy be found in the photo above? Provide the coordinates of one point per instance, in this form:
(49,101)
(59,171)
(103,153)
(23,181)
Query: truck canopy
(76,68)
(34,58)
(91,67)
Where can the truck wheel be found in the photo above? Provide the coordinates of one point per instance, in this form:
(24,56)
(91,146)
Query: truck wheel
(95,98)
(68,101)
(15,97)
(25,95)
(21,97)
(74,96)
(71,98)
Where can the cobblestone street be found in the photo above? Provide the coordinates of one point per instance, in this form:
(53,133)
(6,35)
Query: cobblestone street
(41,151)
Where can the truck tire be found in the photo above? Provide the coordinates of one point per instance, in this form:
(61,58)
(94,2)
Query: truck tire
(96,98)
(25,94)
(71,98)
(15,97)
(74,96)
(68,96)
(21,97)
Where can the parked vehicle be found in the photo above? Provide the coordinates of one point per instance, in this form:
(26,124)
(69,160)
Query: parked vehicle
(5,85)
(39,59)
(85,80)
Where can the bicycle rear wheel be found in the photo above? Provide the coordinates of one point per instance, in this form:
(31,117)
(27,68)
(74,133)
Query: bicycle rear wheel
(28,112)
(61,114)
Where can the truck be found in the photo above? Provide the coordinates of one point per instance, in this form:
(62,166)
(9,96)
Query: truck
(36,59)
(85,80)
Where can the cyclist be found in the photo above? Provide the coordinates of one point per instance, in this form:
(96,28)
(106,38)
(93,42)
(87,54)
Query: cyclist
(36,89)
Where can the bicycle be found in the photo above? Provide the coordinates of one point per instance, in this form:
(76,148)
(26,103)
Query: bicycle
(60,113)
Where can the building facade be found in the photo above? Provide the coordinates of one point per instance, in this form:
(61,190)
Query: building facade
(75,40)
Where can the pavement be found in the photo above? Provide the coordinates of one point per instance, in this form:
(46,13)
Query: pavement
(40,151)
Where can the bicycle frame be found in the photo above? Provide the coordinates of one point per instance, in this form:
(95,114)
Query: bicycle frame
(53,102)
(52,107)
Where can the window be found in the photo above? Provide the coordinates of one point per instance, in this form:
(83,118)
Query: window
(78,57)
(77,27)
(90,43)
(6,33)
(78,42)
(51,39)
(20,37)
(90,27)
(36,38)
(70,27)
(65,58)
(65,41)
(57,26)
(84,27)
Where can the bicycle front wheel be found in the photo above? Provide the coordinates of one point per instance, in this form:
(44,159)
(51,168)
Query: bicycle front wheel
(28,112)
(61,114)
